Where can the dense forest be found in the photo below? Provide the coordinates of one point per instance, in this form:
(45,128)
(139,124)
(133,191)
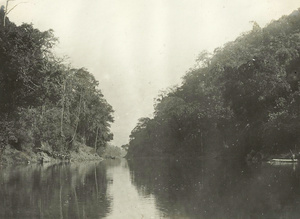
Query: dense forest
(43,100)
(242,99)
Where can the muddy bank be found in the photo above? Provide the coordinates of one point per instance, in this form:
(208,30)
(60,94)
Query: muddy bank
(11,155)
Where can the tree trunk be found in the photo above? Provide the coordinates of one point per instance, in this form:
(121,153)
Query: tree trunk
(62,110)
(5,13)
(96,138)
(79,111)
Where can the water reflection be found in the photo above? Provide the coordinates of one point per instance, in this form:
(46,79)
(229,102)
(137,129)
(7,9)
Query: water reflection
(214,189)
(149,188)
(56,191)
(126,201)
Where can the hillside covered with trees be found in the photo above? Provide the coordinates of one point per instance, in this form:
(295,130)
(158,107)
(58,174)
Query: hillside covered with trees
(243,98)
(43,100)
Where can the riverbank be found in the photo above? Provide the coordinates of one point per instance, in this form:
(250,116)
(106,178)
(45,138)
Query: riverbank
(11,155)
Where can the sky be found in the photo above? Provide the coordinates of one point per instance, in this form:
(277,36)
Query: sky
(138,48)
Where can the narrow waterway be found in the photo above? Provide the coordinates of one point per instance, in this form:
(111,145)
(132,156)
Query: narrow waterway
(150,188)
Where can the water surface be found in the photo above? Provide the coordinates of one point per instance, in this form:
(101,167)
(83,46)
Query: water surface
(150,188)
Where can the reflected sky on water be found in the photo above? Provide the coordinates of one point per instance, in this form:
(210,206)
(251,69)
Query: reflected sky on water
(127,202)
(150,188)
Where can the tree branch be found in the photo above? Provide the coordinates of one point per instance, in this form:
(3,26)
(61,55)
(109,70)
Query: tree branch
(15,7)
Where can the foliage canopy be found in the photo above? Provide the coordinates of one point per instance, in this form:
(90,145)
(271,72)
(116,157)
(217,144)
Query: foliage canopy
(44,101)
(242,97)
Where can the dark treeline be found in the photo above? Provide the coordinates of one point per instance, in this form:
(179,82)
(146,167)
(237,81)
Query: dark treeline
(242,98)
(44,101)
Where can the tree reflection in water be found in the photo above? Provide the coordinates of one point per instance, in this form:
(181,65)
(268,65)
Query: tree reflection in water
(150,188)
(54,191)
(218,189)
(126,201)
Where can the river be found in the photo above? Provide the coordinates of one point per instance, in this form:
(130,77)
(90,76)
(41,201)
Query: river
(150,188)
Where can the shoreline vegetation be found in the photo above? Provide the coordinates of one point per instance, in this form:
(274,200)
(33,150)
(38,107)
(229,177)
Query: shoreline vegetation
(12,156)
(241,101)
(49,111)
(43,155)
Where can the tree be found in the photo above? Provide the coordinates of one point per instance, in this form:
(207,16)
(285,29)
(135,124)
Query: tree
(7,10)
(239,97)
(43,100)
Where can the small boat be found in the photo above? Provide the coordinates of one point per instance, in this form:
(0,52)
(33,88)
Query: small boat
(283,160)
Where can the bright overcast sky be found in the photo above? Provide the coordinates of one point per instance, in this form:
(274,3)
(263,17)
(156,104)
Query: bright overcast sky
(135,48)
